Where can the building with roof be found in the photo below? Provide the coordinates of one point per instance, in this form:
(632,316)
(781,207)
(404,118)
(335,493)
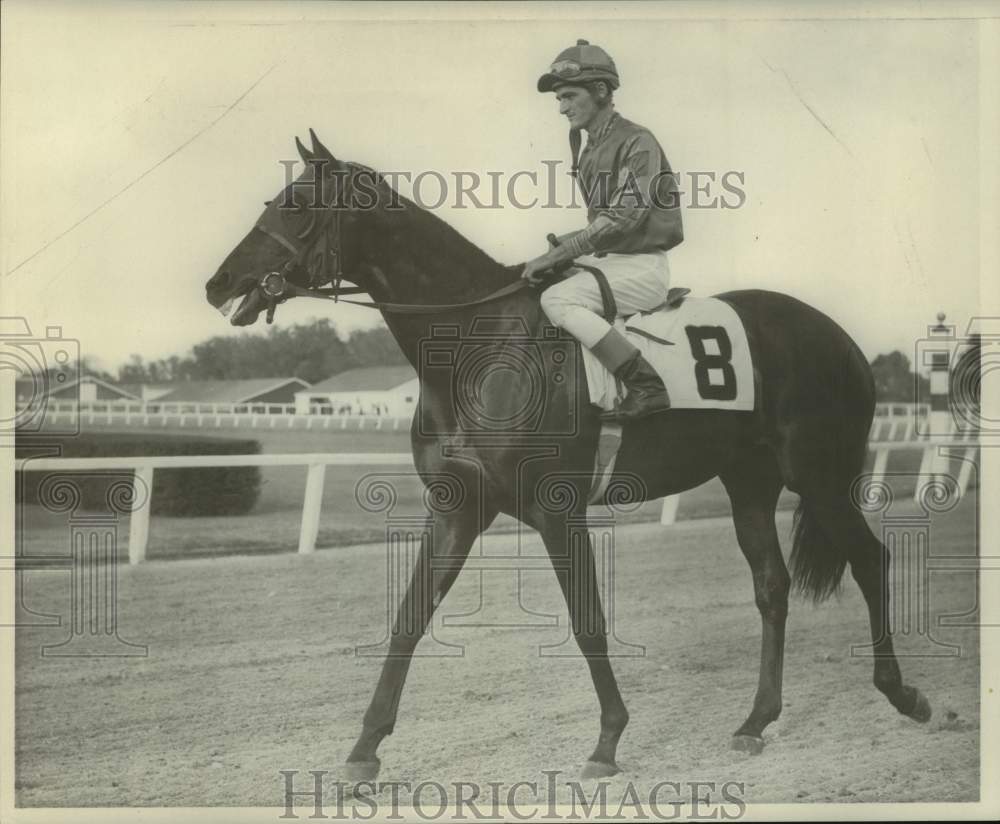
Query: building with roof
(85,389)
(389,391)
(250,390)
(148,391)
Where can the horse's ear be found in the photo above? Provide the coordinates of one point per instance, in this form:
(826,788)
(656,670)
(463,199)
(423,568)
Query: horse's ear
(304,153)
(319,150)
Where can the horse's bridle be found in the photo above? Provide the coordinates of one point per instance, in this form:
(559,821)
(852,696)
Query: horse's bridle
(316,249)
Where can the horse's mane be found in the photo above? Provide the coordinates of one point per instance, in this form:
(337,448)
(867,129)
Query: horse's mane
(436,235)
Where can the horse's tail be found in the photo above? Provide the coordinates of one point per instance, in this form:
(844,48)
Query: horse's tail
(818,558)
(817,563)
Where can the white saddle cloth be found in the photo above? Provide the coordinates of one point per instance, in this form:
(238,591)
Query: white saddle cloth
(699,349)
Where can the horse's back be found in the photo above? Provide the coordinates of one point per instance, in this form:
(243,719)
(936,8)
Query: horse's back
(788,335)
(761,306)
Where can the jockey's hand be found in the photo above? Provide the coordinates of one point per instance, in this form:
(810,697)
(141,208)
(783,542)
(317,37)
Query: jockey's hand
(532,269)
(535,267)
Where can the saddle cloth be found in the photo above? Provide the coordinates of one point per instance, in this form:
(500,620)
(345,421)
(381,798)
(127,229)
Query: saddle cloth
(699,349)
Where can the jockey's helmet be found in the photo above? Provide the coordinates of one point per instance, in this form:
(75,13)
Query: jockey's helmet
(579,64)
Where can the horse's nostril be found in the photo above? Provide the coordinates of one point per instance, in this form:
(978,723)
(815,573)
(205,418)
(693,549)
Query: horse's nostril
(222,279)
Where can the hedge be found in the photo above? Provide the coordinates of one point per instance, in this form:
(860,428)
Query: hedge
(176,492)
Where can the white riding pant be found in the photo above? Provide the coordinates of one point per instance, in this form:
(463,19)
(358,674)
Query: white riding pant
(638,282)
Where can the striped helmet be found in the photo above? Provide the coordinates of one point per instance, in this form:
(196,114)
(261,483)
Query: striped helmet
(579,64)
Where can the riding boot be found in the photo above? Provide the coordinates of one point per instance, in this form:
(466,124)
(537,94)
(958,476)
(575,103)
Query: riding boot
(646,392)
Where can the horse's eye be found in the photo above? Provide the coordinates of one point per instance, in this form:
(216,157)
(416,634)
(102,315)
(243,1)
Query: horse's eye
(268,202)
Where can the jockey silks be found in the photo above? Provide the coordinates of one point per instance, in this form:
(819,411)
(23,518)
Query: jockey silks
(632,201)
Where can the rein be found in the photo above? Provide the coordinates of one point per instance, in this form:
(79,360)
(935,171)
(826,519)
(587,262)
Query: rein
(276,288)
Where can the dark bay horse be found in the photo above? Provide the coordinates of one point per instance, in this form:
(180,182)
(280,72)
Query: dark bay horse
(808,432)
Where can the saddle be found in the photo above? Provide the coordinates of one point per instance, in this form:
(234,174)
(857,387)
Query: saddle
(675,296)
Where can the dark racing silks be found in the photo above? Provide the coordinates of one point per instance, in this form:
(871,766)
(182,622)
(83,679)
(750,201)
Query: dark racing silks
(632,201)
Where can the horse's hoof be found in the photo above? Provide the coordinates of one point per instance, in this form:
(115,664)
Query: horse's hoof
(752,744)
(355,771)
(921,709)
(598,769)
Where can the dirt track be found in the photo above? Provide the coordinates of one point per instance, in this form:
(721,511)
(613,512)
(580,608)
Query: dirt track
(251,669)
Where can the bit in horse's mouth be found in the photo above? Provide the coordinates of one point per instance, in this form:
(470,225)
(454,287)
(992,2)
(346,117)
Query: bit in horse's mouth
(227,306)
(248,310)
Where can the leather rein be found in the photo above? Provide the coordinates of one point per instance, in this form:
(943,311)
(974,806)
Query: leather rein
(276,288)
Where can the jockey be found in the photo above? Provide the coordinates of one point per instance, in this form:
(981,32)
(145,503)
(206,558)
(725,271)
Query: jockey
(633,218)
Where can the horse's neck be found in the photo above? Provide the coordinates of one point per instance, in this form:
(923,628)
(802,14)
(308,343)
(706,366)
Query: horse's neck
(413,257)
(416,257)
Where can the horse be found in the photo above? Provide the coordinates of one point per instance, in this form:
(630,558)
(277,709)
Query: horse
(808,432)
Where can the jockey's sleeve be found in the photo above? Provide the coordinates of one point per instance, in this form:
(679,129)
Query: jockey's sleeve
(563,240)
(629,205)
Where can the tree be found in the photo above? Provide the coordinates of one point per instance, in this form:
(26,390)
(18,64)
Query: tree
(894,380)
(375,347)
(134,371)
(311,352)
(89,366)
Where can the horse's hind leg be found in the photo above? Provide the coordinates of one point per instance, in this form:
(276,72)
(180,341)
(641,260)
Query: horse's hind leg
(869,560)
(753,485)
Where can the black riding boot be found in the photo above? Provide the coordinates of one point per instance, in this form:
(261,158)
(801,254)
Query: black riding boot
(646,392)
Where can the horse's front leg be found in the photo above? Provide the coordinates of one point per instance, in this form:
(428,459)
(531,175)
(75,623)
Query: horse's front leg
(453,536)
(573,561)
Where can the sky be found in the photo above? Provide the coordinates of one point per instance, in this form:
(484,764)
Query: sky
(139,142)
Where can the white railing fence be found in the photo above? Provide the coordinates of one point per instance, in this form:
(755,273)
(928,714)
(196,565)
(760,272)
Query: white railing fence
(213,415)
(893,409)
(901,420)
(144,468)
(933,464)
